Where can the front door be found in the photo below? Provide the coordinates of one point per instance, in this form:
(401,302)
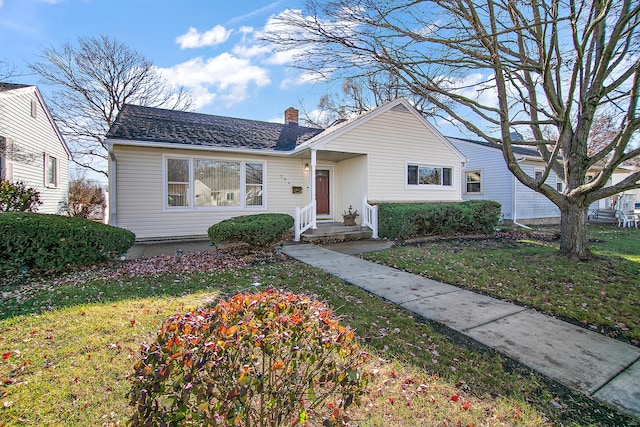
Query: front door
(322,192)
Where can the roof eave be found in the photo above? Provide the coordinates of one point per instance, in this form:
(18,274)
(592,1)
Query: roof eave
(179,146)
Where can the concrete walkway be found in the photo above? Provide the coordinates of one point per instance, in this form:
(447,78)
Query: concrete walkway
(600,367)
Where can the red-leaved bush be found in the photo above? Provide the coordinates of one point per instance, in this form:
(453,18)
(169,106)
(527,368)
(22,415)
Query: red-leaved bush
(266,359)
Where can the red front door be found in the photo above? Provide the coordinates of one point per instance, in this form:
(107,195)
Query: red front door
(322,192)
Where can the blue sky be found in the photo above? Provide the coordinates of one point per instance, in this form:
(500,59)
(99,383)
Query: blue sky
(207,45)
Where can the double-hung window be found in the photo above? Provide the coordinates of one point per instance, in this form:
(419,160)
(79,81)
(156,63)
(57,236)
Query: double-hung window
(253,184)
(473,182)
(425,175)
(178,182)
(51,172)
(199,183)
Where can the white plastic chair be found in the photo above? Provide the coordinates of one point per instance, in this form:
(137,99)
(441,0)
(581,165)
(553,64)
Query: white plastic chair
(626,219)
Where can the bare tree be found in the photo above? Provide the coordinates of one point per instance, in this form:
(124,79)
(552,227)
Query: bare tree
(504,65)
(7,70)
(359,94)
(93,80)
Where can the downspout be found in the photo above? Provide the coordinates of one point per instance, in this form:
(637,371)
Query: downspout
(113,218)
(515,197)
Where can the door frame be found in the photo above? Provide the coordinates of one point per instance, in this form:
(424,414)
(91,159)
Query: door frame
(332,178)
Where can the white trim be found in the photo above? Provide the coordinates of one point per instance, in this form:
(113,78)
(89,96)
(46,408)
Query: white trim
(191,186)
(47,184)
(191,147)
(332,179)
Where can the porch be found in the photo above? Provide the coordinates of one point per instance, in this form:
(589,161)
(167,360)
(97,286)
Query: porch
(330,231)
(308,228)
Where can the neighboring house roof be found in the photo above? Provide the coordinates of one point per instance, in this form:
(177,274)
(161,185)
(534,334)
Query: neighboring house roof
(146,124)
(11,86)
(517,149)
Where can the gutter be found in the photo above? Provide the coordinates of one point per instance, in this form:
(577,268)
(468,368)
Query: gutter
(180,146)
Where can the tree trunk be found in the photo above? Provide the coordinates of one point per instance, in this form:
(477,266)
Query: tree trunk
(574,242)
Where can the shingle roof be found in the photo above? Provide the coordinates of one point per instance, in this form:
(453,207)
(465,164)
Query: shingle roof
(11,86)
(147,124)
(517,149)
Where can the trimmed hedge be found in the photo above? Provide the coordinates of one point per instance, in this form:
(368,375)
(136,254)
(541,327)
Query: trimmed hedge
(407,220)
(51,243)
(260,230)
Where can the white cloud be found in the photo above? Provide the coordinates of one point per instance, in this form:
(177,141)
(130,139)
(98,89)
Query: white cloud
(301,79)
(250,51)
(224,77)
(213,37)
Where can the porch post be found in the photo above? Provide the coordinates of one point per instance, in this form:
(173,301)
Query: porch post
(313,188)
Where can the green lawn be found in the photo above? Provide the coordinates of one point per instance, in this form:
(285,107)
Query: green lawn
(602,294)
(68,344)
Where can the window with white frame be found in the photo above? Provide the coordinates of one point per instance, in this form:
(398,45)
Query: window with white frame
(178,182)
(473,182)
(559,186)
(253,184)
(537,174)
(425,175)
(51,171)
(210,183)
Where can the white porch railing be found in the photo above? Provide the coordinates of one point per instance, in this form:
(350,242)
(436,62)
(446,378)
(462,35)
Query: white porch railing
(305,218)
(370,217)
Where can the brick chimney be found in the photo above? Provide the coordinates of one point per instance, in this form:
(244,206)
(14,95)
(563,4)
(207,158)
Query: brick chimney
(291,116)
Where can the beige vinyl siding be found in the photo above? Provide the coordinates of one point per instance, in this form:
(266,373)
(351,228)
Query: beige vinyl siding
(392,139)
(32,138)
(140,201)
(352,174)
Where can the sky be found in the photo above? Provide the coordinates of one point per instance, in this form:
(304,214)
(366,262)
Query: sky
(208,46)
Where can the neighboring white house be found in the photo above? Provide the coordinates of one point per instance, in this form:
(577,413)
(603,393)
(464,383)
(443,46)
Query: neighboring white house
(31,147)
(486,177)
(174,174)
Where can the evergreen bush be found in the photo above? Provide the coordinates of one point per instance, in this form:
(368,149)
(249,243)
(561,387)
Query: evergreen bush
(408,220)
(51,243)
(260,230)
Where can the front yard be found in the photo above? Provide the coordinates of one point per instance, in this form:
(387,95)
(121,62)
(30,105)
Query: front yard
(68,344)
(521,266)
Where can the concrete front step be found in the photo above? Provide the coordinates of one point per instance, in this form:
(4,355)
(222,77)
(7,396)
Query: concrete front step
(336,232)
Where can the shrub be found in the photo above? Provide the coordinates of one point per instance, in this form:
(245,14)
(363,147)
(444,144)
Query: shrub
(260,230)
(266,359)
(405,221)
(86,200)
(17,197)
(51,243)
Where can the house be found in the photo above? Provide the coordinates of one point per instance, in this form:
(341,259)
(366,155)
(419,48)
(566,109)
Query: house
(32,149)
(173,174)
(486,176)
